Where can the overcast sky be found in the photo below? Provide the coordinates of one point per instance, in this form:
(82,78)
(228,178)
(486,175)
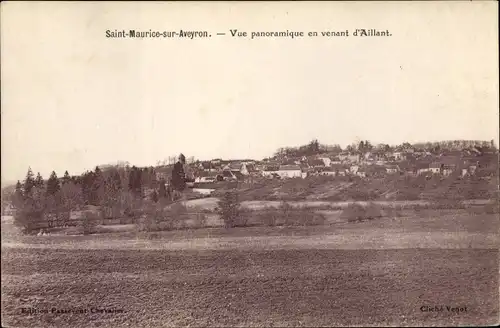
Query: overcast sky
(72,99)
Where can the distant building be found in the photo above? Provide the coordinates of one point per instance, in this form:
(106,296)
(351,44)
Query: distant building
(290,171)
(398,155)
(326,161)
(203,191)
(422,168)
(448,169)
(217,163)
(228,175)
(252,169)
(354,169)
(392,169)
(270,171)
(206,176)
(207,166)
(472,169)
(328,171)
(237,167)
(349,158)
(317,163)
(435,168)
(361,173)
(205,179)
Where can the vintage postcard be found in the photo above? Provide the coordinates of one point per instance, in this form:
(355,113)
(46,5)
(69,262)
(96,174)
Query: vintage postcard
(249,164)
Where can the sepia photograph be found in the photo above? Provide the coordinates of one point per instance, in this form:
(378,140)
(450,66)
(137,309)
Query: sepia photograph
(249,164)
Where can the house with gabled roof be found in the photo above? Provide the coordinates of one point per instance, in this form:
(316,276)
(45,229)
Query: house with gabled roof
(290,171)
(236,167)
(202,176)
(422,168)
(349,158)
(228,175)
(326,161)
(317,163)
(252,169)
(270,170)
(207,166)
(398,156)
(435,167)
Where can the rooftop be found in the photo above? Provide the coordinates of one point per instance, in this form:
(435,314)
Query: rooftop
(289,168)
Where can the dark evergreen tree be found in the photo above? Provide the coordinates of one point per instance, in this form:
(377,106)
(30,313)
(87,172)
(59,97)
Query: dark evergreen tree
(19,188)
(109,193)
(368,145)
(86,181)
(361,146)
(406,145)
(134,181)
(154,196)
(229,209)
(178,177)
(66,178)
(116,180)
(313,147)
(132,177)
(182,159)
(17,200)
(53,184)
(39,181)
(29,182)
(97,187)
(162,192)
(154,181)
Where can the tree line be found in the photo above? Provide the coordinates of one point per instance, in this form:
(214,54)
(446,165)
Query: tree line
(314,147)
(114,191)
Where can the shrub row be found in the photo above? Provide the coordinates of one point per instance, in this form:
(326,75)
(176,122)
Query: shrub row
(357,213)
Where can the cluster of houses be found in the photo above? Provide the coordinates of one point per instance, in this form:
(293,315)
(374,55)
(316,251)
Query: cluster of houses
(374,163)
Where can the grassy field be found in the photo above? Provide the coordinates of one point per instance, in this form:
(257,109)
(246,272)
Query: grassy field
(389,187)
(376,273)
(210,203)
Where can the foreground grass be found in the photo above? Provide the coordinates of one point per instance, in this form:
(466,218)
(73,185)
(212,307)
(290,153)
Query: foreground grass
(249,288)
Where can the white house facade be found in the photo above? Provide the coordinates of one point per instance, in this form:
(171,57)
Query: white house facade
(290,171)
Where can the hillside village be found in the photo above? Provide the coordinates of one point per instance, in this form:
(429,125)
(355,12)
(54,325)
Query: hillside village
(404,160)
(444,170)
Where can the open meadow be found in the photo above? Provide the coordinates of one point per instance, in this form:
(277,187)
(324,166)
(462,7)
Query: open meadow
(382,272)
